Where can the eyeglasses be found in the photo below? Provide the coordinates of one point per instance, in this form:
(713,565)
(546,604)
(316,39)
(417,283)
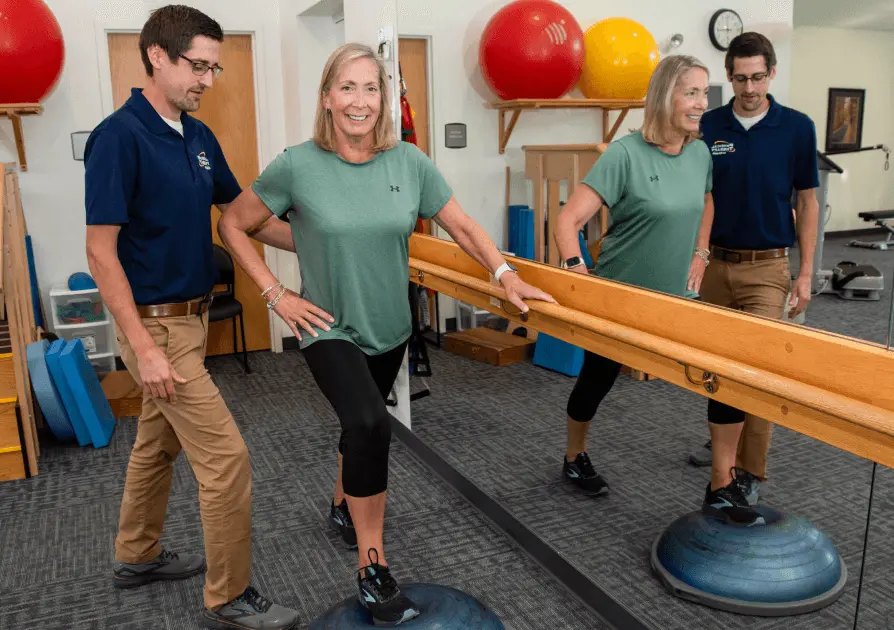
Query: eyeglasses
(199,68)
(757,79)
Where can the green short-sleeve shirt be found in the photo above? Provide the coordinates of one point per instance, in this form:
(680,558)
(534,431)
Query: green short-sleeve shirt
(351,224)
(656,201)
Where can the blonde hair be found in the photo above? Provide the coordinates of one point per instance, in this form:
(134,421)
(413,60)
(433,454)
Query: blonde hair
(324,128)
(660,98)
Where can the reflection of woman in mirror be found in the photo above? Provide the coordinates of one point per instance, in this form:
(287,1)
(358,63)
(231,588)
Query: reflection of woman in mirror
(354,194)
(657,184)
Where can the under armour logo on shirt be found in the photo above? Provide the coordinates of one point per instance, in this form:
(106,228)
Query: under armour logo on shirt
(653,178)
(395,189)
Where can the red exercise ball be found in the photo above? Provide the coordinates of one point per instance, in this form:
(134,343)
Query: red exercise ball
(531,49)
(31,51)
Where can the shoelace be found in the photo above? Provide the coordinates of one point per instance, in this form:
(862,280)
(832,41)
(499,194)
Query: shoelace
(586,466)
(256,600)
(381,581)
(743,477)
(168,556)
(733,491)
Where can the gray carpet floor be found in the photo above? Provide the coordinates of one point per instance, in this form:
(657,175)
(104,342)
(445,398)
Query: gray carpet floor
(866,320)
(57,530)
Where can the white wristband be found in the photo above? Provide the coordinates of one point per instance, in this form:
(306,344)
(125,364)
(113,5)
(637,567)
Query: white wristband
(501,270)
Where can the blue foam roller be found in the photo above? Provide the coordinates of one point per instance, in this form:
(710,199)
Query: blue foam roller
(45,392)
(88,394)
(588,260)
(557,355)
(527,233)
(35,292)
(54,365)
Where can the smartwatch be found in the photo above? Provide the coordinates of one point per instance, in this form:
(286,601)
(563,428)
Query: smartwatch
(503,269)
(574,261)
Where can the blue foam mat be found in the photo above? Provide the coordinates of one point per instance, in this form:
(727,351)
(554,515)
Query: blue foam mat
(45,392)
(88,395)
(53,360)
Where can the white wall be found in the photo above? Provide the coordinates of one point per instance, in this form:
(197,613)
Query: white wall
(824,58)
(367,21)
(477,173)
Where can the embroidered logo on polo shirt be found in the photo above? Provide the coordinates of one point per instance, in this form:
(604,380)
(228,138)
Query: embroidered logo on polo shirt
(203,161)
(722,147)
(395,188)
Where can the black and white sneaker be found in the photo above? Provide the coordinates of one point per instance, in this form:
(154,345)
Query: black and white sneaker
(729,505)
(340,520)
(584,476)
(381,596)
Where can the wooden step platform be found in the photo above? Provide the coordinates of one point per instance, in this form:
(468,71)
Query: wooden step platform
(489,346)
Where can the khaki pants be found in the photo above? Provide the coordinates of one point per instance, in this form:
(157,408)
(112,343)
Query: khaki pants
(200,424)
(760,288)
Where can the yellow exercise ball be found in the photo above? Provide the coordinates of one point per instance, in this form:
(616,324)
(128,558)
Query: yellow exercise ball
(619,58)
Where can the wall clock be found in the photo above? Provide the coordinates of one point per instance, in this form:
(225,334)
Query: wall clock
(725,26)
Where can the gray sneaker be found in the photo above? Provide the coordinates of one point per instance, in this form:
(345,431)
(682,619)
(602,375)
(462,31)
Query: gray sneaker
(166,566)
(250,611)
(750,486)
(701,457)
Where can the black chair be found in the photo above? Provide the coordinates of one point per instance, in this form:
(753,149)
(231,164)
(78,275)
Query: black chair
(225,305)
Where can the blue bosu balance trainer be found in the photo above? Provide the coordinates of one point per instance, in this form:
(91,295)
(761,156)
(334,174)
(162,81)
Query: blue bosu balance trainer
(786,567)
(441,608)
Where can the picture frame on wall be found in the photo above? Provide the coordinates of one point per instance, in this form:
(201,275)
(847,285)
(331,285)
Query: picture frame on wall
(844,119)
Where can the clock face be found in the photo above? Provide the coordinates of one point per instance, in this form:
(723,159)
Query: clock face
(725,26)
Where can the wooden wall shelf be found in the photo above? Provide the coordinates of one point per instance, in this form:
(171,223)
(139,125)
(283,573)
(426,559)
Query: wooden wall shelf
(515,107)
(14,112)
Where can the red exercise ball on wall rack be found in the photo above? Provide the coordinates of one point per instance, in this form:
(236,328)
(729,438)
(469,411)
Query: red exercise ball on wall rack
(32,51)
(531,49)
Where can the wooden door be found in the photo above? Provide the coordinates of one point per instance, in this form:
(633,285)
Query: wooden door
(414,67)
(413,53)
(229,110)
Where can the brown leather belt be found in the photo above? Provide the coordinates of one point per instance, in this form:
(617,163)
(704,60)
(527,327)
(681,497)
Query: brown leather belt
(746,255)
(180,309)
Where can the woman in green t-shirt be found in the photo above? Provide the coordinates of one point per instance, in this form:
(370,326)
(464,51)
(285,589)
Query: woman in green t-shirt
(353,195)
(657,184)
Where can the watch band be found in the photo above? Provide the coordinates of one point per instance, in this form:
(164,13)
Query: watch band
(503,269)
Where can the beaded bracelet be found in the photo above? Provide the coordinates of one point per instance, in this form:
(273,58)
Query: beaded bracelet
(703,254)
(269,289)
(274,301)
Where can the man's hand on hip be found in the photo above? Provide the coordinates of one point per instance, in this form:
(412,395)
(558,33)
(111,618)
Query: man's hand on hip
(157,374)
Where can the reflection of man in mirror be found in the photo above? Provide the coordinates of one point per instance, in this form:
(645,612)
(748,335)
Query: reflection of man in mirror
(762,151)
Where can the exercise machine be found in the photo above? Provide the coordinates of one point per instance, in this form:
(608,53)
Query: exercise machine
(849,280)
(881,219)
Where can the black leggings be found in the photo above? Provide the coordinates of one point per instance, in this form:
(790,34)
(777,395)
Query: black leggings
(356,385)
(596,378)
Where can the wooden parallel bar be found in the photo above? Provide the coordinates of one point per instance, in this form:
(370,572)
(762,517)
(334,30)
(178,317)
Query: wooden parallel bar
(820,390)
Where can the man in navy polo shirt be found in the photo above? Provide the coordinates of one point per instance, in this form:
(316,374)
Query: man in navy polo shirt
(152,174)
(763,152)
